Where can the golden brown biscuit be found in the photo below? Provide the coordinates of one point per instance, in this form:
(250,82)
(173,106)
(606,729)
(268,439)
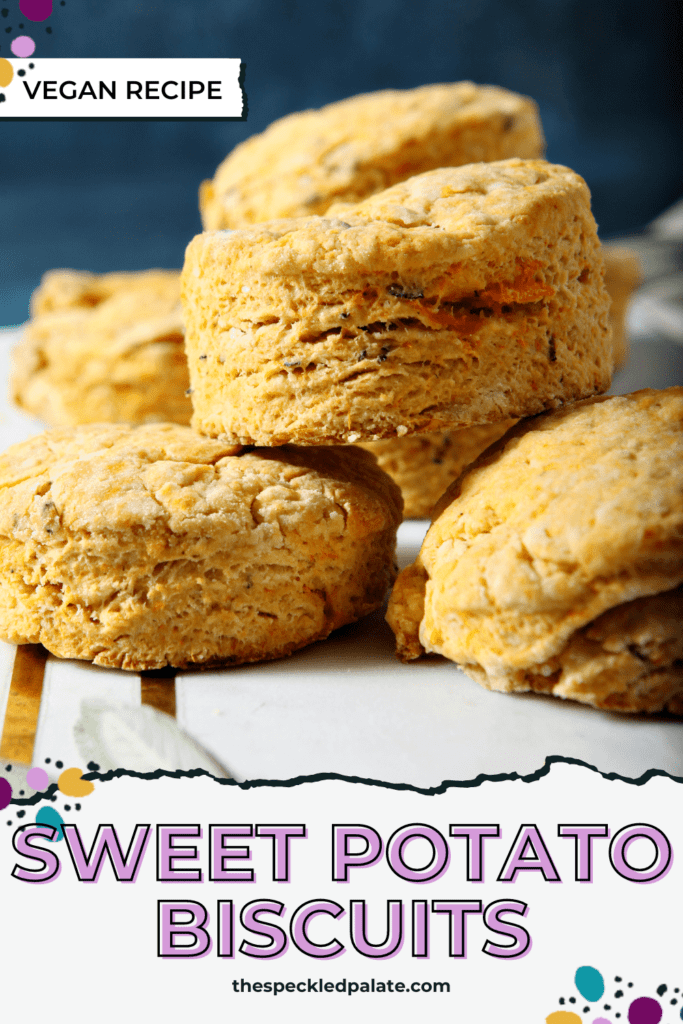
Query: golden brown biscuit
(623,273)
(139,547)
(555,563)
(104,347)
(423,465)
(462,296)
(349,150)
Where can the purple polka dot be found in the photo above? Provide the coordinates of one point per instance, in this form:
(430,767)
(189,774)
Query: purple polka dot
(601,1020)
(36,10)
(5,793)
(37,779)
(22,46)
(644,1011)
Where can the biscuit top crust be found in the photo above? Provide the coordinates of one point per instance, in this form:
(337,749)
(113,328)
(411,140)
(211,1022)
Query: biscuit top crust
(78,289)
(109,479)
(348,150)
(463,200)
(441,235)
(101,477)
(572,513)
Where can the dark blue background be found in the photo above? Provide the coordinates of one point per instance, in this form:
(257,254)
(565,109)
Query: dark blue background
(111,195)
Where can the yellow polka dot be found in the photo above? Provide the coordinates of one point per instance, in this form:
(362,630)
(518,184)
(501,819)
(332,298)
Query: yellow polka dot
(71,784)
(563,1017)
(6,72)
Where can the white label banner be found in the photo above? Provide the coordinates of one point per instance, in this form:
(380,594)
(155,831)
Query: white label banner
(112,87)
(504,901)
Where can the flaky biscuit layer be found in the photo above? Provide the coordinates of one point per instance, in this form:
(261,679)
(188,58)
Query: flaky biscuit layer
(461,296)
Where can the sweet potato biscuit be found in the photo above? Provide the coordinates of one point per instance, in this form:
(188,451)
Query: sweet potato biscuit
(555,563)
(623,273)
(349,150)
(423,465)
(462,296)
(139,547)
(104,347)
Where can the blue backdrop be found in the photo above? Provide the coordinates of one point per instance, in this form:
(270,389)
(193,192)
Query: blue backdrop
(112,195)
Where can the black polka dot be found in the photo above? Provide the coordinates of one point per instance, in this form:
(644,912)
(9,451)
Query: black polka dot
(67,807)
(571,999)
(9,822)
(48,30)
(618,994)
(21,73)
(32,66)
(617,979)
(93,766)
(2,97)
(20,814)
(561,1000)
(47,759)
(21,792)
(8,767)
(4,12)
(630,984)
(59,764)
(78,807)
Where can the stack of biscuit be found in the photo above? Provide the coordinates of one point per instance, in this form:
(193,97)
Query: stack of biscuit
(414,293)
(108,347)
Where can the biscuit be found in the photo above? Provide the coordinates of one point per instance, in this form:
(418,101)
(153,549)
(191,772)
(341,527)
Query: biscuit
(104,347)
(623,273)
(555,563)
(349,150)
(462,296)
(140,547)
(423,465)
